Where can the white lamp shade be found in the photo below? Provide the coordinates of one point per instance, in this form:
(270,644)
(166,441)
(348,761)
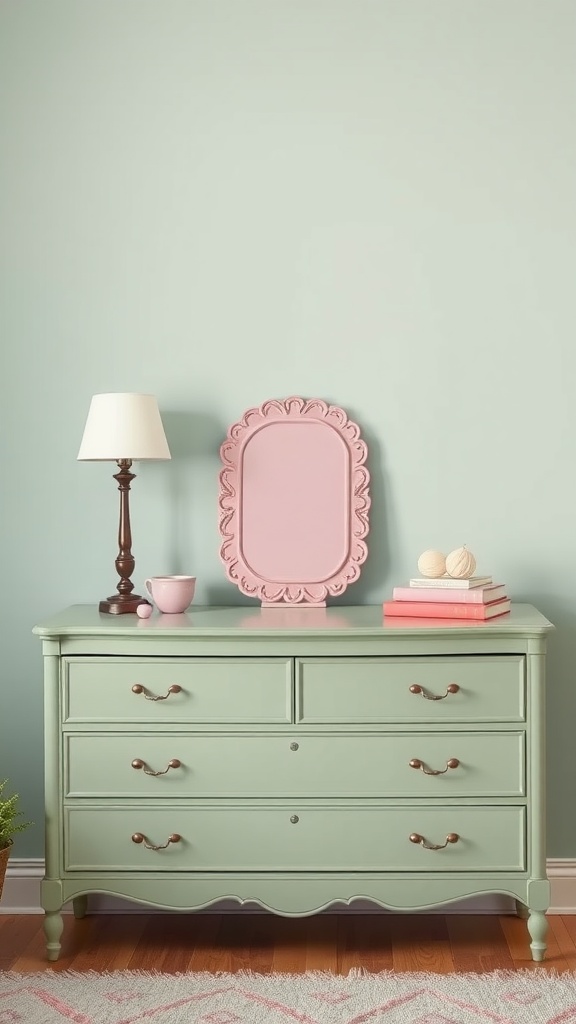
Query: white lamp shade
(123,426)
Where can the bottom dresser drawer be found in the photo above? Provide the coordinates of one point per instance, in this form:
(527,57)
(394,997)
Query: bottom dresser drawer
(294,838)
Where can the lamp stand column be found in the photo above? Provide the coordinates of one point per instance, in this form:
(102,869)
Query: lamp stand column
(124,601)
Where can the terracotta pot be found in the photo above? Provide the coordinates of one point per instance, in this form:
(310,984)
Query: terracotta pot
(4,855)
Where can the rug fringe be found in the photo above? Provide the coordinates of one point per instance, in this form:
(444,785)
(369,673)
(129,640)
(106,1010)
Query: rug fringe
(354,974)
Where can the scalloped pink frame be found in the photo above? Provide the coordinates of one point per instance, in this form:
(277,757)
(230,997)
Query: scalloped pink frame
(294,502)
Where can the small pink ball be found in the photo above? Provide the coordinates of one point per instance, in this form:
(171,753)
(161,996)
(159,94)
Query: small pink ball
(144,611)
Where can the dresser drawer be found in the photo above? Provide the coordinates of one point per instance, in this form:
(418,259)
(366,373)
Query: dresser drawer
(210,690)
(208,765)
(490,689)
(294,838)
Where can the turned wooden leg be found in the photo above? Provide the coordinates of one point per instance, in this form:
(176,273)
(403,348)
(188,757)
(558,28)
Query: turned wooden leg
(53,925)
(538,926)
(80,906)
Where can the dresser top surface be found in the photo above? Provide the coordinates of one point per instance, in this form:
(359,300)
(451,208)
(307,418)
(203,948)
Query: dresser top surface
(353,620)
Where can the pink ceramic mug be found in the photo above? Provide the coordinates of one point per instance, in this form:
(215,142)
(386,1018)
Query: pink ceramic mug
(171,594)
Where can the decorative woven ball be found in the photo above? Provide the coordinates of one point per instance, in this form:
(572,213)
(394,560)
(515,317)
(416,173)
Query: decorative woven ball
(432,564)
(460,564)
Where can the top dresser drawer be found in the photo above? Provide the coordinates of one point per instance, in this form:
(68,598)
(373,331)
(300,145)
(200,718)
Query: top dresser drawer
(489,689)
(206,690)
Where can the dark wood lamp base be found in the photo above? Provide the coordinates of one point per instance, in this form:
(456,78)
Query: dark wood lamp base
(124,602)
(120,604)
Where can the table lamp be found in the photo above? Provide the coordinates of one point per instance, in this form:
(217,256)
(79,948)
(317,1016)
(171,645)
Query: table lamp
(122,428)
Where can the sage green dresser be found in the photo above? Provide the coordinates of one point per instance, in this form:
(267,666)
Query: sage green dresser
(294,758)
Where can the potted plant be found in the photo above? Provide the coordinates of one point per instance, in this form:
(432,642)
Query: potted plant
(9,826)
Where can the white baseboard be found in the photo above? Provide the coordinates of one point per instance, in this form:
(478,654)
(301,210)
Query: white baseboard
(21,895)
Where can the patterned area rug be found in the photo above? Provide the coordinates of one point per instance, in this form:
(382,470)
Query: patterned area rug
(132,997)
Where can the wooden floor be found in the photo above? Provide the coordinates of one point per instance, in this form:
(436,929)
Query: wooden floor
(264,943)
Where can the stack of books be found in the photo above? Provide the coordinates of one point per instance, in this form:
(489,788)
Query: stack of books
(447,598)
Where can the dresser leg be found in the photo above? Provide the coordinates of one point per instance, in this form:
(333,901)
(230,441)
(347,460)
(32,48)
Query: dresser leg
(80,905)
(53,925)
(538,926)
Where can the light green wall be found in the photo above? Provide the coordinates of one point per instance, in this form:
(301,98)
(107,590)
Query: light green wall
(224,201)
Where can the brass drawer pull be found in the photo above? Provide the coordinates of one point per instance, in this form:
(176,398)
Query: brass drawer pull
(293,746)
(417,763)
(452,837)
(294,819)
(139,763)
(451,688)
(138,688)
(139,838)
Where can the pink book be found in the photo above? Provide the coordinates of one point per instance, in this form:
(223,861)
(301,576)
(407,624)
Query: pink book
(442,610)
(477,595)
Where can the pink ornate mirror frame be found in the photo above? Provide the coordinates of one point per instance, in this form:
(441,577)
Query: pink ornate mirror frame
(294,502)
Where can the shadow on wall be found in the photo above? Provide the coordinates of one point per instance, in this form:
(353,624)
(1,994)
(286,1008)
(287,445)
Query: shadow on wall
(194,438)
(377,564)
(561,716)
